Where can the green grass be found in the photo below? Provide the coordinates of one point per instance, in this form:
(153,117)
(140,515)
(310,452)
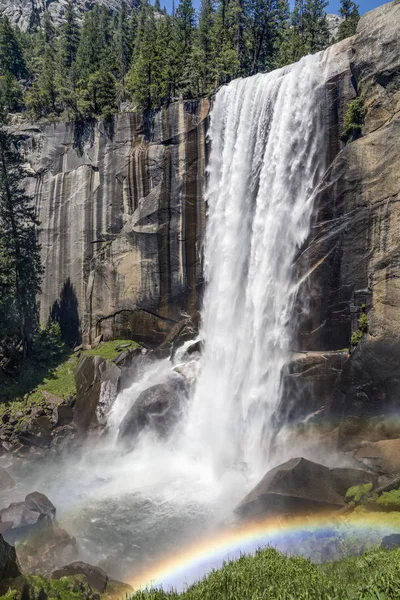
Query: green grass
(57,379)
(109,349)
(356,492)
(389,499)
(271,576)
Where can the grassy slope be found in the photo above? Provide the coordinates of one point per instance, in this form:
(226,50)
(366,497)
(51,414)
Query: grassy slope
(59,381)
(271,576)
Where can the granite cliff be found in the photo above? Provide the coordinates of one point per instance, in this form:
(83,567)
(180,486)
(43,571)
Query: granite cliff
(28,13)
(122,219)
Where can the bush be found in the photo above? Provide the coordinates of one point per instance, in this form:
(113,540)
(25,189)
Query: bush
(362,328)
(356,492)
(354,119)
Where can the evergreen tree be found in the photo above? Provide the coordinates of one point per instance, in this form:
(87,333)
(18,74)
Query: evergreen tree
(184,31)
(20,267)
(90,49)
(69,38)
(11,57)
(349,11)
(123,42)
(141,77)
(316,31)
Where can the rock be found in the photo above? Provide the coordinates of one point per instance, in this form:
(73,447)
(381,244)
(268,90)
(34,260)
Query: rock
(308,383)
(114,279)
(27,14)
(63,415)
(301,486)
(389,542)
(51,398)
(36,512)
(9,567)
(96,577)
(47,550)
(40,503)
(158,409)
(6,481)
(384,456)
(97,341)
(96,389)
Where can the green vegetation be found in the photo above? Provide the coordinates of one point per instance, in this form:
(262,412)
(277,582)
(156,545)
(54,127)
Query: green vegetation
(54,375)
(271,576)
(110,350)
(390,500)
(149,57)
(356,492)
(357,336)
(349,11)
(354,118)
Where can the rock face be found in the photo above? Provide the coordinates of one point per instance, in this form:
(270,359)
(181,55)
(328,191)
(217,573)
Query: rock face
(6,481)
(158,409)
(96,389)
(301,486)
(122,218)
(28,13)
(9,568)
(351,262)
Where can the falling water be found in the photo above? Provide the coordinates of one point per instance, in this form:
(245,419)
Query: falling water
(267,156)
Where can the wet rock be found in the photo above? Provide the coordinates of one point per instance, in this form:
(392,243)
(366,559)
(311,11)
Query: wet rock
(389,542)
(96,577)
(301,486)
(35,512)
(6,481)
(384,455)
(36,431)
(40,503)
(96,389)
(9,567)
(48,549)
(158,409)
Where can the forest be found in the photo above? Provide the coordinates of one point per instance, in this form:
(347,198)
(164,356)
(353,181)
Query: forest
(150,58)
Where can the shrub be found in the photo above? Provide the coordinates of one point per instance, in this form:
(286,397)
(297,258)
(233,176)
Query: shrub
(356,492)
(354,118)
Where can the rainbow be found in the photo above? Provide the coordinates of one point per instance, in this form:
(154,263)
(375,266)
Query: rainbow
(200,557)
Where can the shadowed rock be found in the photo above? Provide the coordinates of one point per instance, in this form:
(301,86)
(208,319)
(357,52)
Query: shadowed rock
(9,567)
(96,389)
(96,577)
(158,409)
(6,481)
(301,486)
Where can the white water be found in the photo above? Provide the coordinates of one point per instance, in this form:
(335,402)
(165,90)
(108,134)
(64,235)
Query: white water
(267,157)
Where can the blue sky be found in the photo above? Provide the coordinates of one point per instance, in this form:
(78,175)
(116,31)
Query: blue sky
(365,5)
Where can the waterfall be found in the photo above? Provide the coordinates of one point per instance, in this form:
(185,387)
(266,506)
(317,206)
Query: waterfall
(267,156)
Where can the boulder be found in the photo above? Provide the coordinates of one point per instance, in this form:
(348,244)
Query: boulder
(391,541)
(384,455)
(9,567)
(158,409)
(20,518)
(96,389)
(6,481)
(96,577)
(48,549)
(40,503)
(301,486)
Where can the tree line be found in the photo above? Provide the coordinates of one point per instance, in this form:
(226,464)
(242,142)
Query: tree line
(149,58)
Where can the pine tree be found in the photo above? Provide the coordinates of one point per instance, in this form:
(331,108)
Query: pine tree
(316,31)
(21,272)
(90,50)
(123,42)
(349,11)
(140,79)
(69,38)
(184,31)
(11,57)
